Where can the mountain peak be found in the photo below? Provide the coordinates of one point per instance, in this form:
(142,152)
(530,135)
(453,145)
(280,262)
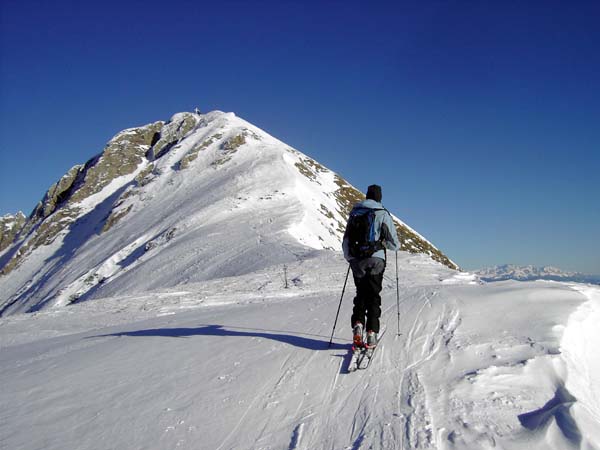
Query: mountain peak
(197,197)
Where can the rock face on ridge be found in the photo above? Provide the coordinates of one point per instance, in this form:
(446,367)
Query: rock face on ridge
(197,197)
(10,227)
(61,207)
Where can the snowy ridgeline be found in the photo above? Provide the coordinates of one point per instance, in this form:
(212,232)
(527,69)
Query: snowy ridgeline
(243,363)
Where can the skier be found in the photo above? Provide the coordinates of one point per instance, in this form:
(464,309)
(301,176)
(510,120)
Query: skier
(370,230)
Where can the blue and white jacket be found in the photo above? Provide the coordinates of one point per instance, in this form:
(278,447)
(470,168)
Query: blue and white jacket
(381,217)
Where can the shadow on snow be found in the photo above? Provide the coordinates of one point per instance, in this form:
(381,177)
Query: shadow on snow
(558,409)
(295,340)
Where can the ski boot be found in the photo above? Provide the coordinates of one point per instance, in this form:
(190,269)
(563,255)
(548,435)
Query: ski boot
(358,335)
(371,339)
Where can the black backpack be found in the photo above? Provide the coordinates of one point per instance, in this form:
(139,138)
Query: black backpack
(360,233)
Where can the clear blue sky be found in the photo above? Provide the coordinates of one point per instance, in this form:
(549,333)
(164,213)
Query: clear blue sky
(481,120)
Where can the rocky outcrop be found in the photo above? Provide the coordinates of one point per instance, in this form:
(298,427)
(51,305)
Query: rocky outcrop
(114,217)
(171,134)
(121,156)
(192,155)
(57,194)
(10,227)
(61,206)
(228,148)
(310,169)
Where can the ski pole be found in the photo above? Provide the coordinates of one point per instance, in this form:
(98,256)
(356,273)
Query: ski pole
(397,294)
(339,306)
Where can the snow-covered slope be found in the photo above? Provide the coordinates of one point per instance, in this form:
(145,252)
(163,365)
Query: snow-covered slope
(202,196)
(529,273)
(243,363)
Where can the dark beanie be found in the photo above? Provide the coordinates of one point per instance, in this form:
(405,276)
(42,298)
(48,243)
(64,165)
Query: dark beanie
(374,193)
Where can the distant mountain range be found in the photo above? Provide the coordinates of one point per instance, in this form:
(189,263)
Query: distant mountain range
(528,273)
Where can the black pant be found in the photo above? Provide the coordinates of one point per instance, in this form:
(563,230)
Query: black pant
(368,278)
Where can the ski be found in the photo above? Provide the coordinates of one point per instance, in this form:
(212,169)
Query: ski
(362,356)
(355,358)
(367,356)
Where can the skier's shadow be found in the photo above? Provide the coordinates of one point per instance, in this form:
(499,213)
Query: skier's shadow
(297,340)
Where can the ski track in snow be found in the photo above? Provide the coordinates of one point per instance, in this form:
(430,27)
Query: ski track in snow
(237,374)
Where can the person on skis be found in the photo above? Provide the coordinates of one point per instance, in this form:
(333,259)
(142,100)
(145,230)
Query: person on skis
(369,231)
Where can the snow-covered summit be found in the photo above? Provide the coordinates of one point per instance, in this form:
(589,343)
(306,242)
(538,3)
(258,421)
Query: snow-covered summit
(201,196)
(529,273)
